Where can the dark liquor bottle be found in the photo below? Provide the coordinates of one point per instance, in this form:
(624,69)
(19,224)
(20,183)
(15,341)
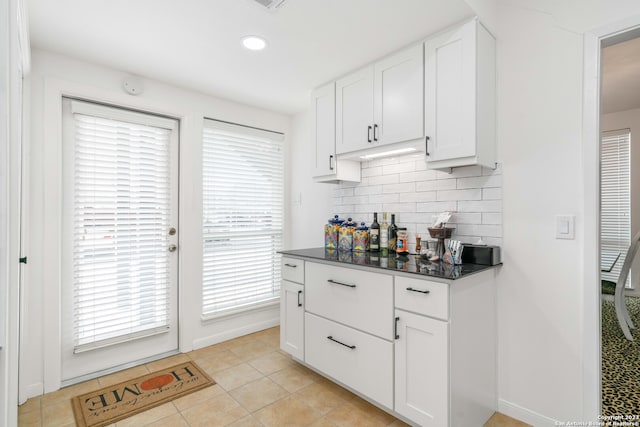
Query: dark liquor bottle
(374,234)
(393,233)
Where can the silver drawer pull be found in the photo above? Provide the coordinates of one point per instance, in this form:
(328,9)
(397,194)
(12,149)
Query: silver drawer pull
(417,290)
(290,265)
(352,347)
(340,283)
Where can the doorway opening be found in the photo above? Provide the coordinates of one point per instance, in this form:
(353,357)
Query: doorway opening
(619,219)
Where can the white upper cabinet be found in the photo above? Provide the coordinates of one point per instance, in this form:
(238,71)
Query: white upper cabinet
(399,97)
(460,98)
(381,104)
(326,168)
(354,111)
(323,129)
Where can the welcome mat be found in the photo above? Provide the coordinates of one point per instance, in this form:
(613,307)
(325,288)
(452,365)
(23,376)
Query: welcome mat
(116,402)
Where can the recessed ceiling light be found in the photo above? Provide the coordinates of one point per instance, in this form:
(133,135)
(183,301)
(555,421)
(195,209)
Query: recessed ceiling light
(254,42)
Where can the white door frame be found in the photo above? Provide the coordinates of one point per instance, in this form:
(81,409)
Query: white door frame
(54,90)
(591,226)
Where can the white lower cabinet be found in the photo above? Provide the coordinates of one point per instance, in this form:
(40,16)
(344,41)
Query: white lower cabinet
(292,319)
(356,359)
(421,365)
(423,350)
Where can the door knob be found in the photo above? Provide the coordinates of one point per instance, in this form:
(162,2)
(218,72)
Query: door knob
(172,248)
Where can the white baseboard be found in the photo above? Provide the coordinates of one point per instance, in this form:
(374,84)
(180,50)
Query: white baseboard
(31,390)
(235,333)
(526,415)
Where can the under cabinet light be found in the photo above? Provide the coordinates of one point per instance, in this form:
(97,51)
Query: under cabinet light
(388,153)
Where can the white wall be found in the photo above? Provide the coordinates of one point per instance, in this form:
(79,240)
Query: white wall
(311,203)
(540,286)
(622,120)
(52,75)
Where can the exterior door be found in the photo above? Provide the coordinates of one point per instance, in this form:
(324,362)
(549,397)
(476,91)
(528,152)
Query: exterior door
(119,250)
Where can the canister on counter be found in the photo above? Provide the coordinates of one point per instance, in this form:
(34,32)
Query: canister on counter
(361,238)
(345,238)
(331,232)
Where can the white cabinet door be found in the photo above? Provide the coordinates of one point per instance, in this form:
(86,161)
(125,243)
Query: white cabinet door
(422,369)
(399,97)
(292,319)
(460,97)
(354,111)
(450,70)
(323,130)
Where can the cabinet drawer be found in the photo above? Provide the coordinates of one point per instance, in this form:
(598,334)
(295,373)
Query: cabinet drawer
(293,270)
(422,297)
(356,298)
(360,361)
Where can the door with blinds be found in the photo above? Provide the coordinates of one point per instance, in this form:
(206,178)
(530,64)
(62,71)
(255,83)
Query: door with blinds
(119,250)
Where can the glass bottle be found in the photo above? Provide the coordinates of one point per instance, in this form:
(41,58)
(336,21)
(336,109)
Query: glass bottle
(393,233)
(384,235)
(374,234)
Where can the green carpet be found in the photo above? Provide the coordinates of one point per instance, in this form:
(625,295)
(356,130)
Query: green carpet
(620,362)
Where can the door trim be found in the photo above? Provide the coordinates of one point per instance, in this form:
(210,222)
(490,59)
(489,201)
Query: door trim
(54,90)
(591,207)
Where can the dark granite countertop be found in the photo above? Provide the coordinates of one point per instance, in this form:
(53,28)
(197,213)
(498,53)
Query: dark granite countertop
(393,262)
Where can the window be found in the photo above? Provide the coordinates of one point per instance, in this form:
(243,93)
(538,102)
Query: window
(615,196)
(243,213)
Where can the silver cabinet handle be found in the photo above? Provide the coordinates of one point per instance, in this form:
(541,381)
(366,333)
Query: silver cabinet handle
(172,248)
(369,134)
(290,265)
(299,303)
(375,132)
(340,283)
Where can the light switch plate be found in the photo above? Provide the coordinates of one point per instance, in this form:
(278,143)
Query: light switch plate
(565,227)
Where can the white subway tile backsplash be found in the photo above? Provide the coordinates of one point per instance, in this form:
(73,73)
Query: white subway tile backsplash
(447,195)
(480,206)
(355,200)
(398,168)
(492,193)
(492,218)
(468,218)
(416,195)
(407,187)
(368,189)
(384,198)
(399,207)
(488,181)
(383,179)
(375,171)
(439,184)
(436,207)
(417,176)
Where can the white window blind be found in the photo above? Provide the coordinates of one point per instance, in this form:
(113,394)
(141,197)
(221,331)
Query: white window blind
(615,196)
(121,211)
(243,213)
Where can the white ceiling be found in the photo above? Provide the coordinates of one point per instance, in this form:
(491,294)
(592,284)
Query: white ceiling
(196,43)
(621,76)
